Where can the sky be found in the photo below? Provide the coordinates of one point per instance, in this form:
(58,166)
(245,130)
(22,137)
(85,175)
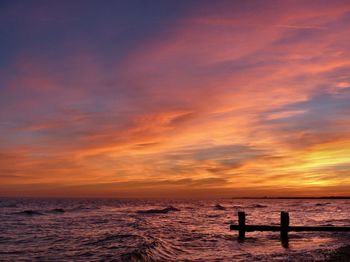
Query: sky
(174,98)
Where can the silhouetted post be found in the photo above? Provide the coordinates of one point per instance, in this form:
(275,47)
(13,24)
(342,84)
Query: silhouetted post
(241,224)
(284,228)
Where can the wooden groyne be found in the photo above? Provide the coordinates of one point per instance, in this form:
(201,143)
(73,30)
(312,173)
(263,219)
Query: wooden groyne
(284,227)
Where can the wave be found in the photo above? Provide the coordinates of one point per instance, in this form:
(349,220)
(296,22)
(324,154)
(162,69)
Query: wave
(258,206)
(30,213)
(344,221)
(219,207)
(213,215)
(57,211)
(158,211)
(153,250)
(322,204)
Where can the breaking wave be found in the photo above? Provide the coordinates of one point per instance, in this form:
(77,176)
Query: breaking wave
(154,249)
(158,211)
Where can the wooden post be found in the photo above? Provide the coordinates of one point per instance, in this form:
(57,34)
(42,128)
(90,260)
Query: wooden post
(284,228)
(241,225)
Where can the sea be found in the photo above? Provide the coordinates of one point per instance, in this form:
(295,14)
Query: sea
(34,229)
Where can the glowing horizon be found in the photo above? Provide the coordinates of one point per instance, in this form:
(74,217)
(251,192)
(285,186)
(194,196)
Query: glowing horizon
(175,98)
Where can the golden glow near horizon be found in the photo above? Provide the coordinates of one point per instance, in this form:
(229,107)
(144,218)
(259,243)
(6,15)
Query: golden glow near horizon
(220,99)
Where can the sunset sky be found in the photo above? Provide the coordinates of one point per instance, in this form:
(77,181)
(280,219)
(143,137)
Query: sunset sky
(174,98)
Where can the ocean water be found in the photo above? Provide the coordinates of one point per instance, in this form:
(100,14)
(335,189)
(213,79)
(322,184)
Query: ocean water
(154,230)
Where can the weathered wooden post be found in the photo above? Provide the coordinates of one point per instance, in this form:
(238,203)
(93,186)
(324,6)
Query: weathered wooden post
(284,228)
(241,225)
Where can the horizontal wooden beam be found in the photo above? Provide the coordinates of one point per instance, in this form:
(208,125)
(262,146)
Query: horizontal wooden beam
(318,228)
(250,228)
